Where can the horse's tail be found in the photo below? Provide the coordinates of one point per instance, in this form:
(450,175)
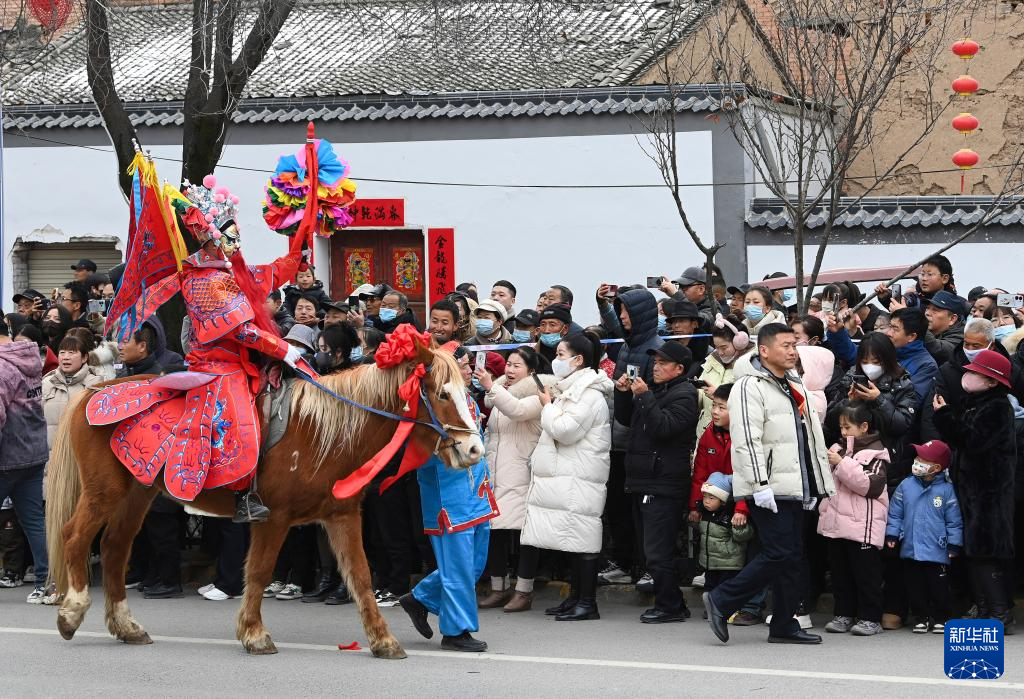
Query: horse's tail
(63,489)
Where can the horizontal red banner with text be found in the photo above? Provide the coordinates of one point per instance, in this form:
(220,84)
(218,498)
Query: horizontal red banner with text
(370,213)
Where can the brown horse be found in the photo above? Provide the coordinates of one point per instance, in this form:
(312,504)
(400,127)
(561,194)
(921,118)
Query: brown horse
(326,439)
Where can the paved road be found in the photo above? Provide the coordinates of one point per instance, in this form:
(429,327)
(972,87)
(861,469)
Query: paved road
(195,655)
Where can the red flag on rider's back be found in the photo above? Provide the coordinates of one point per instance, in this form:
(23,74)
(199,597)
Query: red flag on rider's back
(150,256)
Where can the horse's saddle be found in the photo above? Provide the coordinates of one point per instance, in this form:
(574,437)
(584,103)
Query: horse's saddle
(275,406)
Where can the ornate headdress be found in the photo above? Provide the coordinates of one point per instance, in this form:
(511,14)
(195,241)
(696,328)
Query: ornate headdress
(207,210)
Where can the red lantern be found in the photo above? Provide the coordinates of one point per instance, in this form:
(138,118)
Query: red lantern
(965,85)
(965,158)
(966,48)
(965,123)
(51,14)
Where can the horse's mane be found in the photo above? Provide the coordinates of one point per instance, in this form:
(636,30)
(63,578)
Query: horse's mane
(338,425)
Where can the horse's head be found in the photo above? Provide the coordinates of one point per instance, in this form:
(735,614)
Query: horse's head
(447,407)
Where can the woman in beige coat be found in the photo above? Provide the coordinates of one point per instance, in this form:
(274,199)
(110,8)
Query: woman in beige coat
(62,386)
(513,431)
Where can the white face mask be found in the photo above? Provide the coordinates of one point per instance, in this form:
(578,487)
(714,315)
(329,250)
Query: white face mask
(872,371)
(972,354)
(827,307)
(562,367)
(921,469)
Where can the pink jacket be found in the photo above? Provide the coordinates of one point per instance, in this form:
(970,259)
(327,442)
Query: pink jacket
(859,509)
(818,364)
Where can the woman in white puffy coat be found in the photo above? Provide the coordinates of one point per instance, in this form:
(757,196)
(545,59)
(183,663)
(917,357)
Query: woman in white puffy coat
(570,470)
(513,430)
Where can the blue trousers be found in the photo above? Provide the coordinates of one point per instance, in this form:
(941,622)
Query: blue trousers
(450,591)
(25,487)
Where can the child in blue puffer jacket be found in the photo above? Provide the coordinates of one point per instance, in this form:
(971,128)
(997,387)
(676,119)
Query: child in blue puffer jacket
(924,517)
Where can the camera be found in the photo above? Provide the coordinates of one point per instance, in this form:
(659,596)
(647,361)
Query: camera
(654,282)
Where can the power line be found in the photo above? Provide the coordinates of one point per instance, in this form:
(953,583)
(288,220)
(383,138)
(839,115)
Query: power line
(495,185)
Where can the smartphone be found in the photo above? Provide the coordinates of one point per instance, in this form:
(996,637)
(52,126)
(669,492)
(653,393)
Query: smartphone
(1010,301)
(896,290)
(536,380)
(632,372)
(481,361)
(95,306)
(353,302)
(654,282)
(613,291)
(699,383)
(860,380)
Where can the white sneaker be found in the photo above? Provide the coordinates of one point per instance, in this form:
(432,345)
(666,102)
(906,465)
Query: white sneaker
(39,595)
(273,588)
(290,591)
(206,588)
(216,595)
(698,580)
(613,575)
(386,599)
(30,575)
(645,583)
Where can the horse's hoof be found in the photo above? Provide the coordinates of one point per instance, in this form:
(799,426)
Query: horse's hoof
(389,651)
(67,631)
(137,639)
(263,646)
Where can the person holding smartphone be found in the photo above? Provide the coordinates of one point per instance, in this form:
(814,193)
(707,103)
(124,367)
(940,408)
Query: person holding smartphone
(513,430)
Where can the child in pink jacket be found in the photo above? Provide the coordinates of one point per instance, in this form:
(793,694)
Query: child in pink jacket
(854,522)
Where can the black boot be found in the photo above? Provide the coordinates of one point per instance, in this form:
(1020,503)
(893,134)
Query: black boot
(324,586)
(586,607)
(999,606)
(249,509)
(573,599)
(339,596)
(977,574)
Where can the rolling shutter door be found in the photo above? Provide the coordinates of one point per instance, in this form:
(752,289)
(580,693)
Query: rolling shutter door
(49,264)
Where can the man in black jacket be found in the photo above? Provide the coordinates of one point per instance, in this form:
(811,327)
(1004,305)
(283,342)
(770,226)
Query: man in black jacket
(663,423)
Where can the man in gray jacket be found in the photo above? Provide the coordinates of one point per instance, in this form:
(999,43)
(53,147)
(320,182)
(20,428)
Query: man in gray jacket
(779,461)
(23,450)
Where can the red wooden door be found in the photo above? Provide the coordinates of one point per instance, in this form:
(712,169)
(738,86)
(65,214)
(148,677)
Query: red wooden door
(369,256)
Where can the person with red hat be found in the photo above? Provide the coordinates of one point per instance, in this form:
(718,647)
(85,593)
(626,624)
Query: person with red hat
(925,528)
(984,436)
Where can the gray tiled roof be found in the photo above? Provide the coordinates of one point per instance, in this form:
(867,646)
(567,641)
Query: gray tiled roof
(334,48)
(506,104)
(888,212)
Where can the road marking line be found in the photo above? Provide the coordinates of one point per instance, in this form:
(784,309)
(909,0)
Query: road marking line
(584,662)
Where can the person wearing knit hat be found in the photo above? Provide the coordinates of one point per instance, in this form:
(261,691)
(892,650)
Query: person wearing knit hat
(925,528)
(488,319)
(718,485)
(982,434)
(723,545)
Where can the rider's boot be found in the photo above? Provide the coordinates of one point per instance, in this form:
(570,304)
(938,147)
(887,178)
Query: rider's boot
(249,509)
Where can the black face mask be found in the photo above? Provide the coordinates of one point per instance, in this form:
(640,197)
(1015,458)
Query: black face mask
(51,328)
(324,362)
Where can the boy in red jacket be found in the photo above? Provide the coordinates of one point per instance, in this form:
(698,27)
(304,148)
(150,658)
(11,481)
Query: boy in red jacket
(713,455)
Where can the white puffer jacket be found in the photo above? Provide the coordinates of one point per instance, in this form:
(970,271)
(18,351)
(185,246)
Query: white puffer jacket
(513,430)
(570,467)
(767,435)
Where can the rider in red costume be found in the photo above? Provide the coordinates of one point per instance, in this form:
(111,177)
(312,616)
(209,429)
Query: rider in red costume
(202,428)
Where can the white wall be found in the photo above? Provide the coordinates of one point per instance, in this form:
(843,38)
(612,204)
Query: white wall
(974,264)
(533,237)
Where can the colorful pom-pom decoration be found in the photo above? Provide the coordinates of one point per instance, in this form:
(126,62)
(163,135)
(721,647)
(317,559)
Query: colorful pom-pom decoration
(209,217)
(234,200)
(209,181)
(215,234)
(287,190)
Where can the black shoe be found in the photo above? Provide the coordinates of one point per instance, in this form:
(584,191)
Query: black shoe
(320,593)
(801,637)
(418,613)
(162,591)
(339,596)
(585,610)
(657,616)
(718,622)
(566,605)
(249,509)
(463,642)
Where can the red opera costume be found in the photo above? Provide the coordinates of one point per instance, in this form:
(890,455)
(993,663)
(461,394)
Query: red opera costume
(201,427)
